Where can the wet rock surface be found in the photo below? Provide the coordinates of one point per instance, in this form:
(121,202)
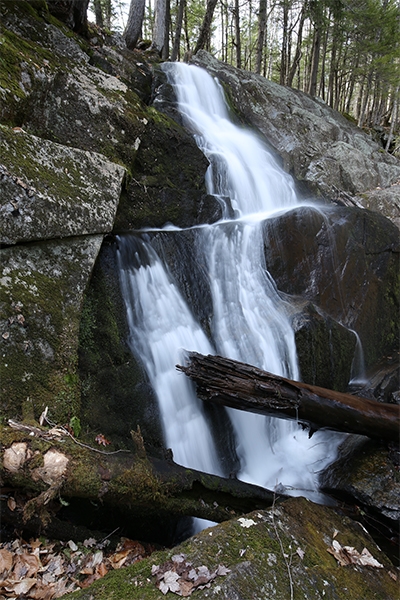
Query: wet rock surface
(367,473)
(344,260)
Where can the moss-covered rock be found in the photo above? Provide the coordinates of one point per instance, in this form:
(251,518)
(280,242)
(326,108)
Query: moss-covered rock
(116,394)
(167,184)
(86,108)
(278,553)
(42,288)
(365,472)
(345,261)
(51,191)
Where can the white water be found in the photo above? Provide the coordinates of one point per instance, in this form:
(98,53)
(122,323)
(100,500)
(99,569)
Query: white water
(249,317)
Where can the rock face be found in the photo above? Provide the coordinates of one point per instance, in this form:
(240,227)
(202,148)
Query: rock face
(319,146)
(70,133)
(365,471)
(291,550)
(42,289)
(345,261)
(51,191)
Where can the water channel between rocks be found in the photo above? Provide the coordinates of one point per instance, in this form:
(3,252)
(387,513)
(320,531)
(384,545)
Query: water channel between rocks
(248,318)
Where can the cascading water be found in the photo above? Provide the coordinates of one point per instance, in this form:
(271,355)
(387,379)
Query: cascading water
(249,318)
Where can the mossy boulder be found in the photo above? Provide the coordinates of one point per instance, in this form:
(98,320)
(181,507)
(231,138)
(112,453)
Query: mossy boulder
(42,289)
(86,108)
(367,473)
(345,261)
(168,180)
(34,46)
(278,553)
(51,191)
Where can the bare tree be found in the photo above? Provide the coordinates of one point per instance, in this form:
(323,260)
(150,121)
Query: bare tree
(178,30)
(98,13)
(133,29)
(262,24)
(71,12)
(160,19)
(206,26)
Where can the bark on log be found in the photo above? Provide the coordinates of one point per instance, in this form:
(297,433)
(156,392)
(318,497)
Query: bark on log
(238,385)
(50,465)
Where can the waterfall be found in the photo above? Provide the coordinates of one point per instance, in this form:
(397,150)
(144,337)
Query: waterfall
(249,321)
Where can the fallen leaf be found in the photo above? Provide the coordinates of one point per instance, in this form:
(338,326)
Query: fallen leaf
(170,582)
(21,587)
(14,457)
(246,522)
(101,569)
(6,559)
(347,555)
(101,440)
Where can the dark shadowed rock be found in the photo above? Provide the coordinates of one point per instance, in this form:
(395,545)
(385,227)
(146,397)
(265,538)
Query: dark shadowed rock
(345,261)
(116,394)
(365,473)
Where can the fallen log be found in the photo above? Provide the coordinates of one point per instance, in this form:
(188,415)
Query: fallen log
(244,387)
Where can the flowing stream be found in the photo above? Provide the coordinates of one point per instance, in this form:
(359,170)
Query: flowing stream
(249,321)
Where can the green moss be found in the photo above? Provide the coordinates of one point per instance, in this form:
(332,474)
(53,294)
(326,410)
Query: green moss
(255,557)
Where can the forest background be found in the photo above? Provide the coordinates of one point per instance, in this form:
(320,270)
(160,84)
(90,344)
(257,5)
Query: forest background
(346,52)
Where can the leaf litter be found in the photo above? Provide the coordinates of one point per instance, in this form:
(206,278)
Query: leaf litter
(43,570)
(180,577)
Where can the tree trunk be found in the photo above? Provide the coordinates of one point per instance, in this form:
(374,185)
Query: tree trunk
(283,72)
(315,61)
(98,13)
(107,13)
(133,28)
(244,387)
(165,48)
(177,40)
(205,28)
(297,55)
(262,21)
(53,464)
(160,16)
(237,36)
(389,140)
(71,12)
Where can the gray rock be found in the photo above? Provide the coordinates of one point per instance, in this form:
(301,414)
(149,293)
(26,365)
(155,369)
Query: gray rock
(385,201)
(51,191)
(319,146)
(42,286)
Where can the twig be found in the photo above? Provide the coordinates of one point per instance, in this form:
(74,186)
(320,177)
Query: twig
(282,550)
(81,443)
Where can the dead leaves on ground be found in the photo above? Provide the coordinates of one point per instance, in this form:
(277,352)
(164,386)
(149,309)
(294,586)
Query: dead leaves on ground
(180,577)
(36,571)
(347,555)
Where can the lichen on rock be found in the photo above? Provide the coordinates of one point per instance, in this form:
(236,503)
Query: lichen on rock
(51,191)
